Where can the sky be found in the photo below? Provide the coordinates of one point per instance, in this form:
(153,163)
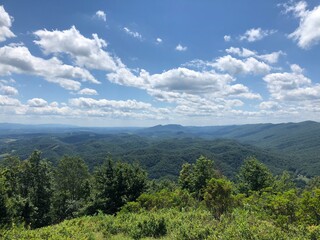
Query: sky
(143,63)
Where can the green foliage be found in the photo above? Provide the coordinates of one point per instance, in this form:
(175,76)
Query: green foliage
(195,224)
(160,156)
(310,206)
(218,196)
(283,182)
(151,227)
(72,187)
(194,177)
(116,184)
(4,215)
(36,183)
(205,206)
(253,176)
(180,199)
(283,207)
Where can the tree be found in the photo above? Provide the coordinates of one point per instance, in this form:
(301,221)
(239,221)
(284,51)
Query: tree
(283,182)
(218,196)
(253,176)
(36,189)
(194,177)
(116,184)
(4,215)
(186,177)
(310,206)
(12,202)
(72,187)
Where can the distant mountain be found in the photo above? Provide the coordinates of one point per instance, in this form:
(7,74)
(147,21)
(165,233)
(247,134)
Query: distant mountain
(162,157)
(298,141)
(163,148)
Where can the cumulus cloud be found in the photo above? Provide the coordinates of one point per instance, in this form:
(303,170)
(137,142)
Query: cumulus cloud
(101,15)
(8,90)
(124,76)
(270,58)
(292,86)
(183,79)
(227,38)
(20,60)
(235,66)
(308,32)
(181,48)
(104,103)
(182,82)
(87,52)
(244,52)
(132,33)
(186,80)
(80,107)
(255,34)
(269,105)
(87,91)
(8,101)
(5,25)
(37,102)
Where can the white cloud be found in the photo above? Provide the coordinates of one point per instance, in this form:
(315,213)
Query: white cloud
(296,68)
(159,40)
(8,101)
(244,52)
(86,52)
(7,81)
(87,91)
(181,48)
(108,104)
(8,90)
(37,102)
(227,38)
(186,80)
(255,34)
(5,25)
(132,33)
(292,86)
(308,32)
(123,76)
(178,83)
(269,105)
(236,66)
(20,60)
(82,107)
(270,58)
(101,15)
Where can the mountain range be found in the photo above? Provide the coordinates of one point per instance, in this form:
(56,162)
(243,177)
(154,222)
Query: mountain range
(162,149)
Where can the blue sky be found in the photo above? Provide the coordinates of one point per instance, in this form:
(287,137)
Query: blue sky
(142,63)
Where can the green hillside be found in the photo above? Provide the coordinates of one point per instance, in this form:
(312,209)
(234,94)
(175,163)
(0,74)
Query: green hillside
(38,202)
(161,157)
(163,149)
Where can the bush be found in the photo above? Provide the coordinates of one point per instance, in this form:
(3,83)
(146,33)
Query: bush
(151,227)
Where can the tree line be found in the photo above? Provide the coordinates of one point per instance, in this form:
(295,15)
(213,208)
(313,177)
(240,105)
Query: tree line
(36,194)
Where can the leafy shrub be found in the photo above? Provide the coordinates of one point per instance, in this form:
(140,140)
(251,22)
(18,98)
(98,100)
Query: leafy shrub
(151,227)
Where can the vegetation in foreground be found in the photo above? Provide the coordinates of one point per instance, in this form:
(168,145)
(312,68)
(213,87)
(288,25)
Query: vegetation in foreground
(117,201)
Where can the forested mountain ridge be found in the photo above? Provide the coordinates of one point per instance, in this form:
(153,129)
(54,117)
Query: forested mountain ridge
(160,157)
(300,142)
(162,149)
